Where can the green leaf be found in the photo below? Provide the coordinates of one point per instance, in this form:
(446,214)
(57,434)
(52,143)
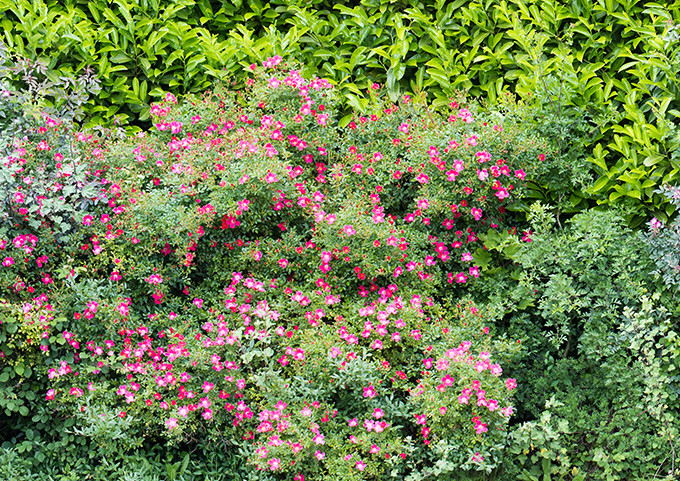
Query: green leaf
(344,122)
(524,303)
(482,258)
(599,184)
(120,57)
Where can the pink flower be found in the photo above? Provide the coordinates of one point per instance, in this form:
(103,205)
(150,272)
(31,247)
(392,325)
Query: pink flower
(283,263)
(483,156)
(319,455)
(123,309)
(171,423)
(361,465)
(481,428)
(369,392)
(423,178)
(274,464)
(511,384)
(349,230)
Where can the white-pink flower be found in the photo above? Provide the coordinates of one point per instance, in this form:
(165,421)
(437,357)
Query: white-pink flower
(349,230)
(171,423)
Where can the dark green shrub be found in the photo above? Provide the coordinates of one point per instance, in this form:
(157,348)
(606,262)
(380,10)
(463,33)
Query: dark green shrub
(599,353)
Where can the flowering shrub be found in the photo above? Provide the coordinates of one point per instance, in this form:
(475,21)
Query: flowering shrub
(254,269)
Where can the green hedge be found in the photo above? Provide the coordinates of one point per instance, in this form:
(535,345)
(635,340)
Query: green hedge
(608,63)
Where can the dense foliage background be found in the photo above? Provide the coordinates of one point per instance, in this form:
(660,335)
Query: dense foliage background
(357,214)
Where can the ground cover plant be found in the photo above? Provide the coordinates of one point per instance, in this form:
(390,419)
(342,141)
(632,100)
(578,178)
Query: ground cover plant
(250,270)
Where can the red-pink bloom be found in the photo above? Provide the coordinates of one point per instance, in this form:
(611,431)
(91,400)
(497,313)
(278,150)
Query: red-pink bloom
(349,230)
(369,392)
(75,391)
(423,178)
(274,464)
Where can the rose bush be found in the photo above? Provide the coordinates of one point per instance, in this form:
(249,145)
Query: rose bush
(286,280)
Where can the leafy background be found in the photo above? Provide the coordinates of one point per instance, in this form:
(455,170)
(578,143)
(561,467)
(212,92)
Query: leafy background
(597,78)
